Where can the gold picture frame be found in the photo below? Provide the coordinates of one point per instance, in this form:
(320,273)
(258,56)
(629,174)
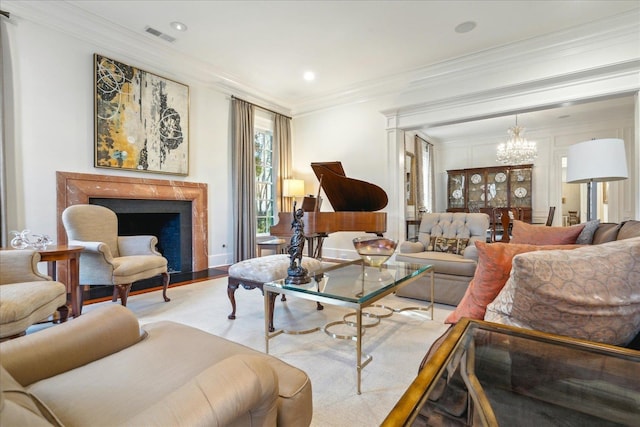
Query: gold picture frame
(141,120)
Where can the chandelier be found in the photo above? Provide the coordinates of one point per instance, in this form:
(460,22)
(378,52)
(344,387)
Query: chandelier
(517,150)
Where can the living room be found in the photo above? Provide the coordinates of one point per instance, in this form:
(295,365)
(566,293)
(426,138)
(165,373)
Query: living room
(48,96)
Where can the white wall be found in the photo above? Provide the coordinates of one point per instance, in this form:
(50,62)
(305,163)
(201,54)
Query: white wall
(51,93)
(354,135)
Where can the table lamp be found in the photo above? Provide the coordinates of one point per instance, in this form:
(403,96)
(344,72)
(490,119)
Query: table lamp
(293,188)
(598,160)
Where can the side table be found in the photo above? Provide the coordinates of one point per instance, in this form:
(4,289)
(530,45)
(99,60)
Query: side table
(279,246)
(71,255)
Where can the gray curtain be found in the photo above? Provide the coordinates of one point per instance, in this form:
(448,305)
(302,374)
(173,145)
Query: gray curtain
(244,181)
(282,140)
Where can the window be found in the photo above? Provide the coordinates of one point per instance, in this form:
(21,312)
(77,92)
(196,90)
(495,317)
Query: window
(265,167)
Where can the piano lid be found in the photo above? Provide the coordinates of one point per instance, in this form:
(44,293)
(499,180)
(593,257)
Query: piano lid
(348,194)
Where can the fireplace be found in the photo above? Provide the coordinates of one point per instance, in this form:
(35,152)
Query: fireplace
(133,193)
(168,220)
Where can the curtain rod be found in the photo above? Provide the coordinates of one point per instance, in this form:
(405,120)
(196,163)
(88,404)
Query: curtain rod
(260,106)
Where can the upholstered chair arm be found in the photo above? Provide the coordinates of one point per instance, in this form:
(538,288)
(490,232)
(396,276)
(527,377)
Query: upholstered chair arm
(240,390)
(411,247)
(98,248)
(137,245)
(20,265)
(471,252)
(70,345)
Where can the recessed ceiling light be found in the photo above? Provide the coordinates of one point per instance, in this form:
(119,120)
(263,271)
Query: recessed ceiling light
(465,27)
(309,76)
(179,26)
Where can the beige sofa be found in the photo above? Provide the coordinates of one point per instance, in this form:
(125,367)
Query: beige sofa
(452,272)
(101,369)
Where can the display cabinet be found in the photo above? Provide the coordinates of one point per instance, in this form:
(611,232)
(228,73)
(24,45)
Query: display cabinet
(469,190)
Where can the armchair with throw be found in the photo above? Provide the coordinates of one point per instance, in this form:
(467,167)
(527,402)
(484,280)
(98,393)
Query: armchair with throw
(109,259)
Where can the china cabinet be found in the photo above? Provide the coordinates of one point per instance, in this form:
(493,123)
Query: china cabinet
(469,190)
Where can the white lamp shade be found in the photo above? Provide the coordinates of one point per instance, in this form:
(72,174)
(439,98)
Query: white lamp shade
(293,188)
(597,160)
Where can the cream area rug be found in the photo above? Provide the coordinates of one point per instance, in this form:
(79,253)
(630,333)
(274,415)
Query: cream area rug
(397,344)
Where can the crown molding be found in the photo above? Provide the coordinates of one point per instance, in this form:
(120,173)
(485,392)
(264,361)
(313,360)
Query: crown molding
(597,82)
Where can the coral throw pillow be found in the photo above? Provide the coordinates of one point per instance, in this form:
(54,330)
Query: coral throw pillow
(492,272)
(539,235)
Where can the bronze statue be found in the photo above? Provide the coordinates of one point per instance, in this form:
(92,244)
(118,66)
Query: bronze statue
(297,274)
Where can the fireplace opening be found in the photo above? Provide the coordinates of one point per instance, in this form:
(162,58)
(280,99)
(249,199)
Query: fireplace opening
(168,220)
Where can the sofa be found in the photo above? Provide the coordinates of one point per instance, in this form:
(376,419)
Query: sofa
(102,369)
(453,272)
(26,295)
(454,265)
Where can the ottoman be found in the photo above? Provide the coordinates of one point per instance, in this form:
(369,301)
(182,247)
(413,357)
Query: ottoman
(255,272)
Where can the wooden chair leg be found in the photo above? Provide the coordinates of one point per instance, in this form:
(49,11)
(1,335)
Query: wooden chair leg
(165,285)
(123,293)
(63,311)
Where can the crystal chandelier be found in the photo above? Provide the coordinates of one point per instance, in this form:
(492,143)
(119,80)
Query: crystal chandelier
(517,150)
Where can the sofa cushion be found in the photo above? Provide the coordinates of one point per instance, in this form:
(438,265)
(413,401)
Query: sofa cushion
(442,262)
(606,232)
(494,266)
(628,230)
(586,235)
(537,235)
(589,293)
(135,372)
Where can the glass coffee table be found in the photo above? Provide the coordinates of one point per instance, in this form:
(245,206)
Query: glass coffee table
(352,285)
(486,374)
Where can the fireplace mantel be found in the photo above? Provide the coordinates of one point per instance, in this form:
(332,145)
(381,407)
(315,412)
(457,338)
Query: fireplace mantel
(77,188)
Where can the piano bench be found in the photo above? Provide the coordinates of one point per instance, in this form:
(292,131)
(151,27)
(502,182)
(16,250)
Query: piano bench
(255,272)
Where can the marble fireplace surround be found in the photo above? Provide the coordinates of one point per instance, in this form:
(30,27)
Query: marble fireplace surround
(78,188)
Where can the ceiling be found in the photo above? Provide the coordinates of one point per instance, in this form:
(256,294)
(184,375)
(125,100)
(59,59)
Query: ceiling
(264,47)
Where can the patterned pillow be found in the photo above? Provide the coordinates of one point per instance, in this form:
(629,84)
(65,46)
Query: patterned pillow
(492,272)
(586,235)
(589,293)
(537,235)
(448,245)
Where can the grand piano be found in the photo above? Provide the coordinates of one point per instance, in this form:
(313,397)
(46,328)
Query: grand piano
(354,203)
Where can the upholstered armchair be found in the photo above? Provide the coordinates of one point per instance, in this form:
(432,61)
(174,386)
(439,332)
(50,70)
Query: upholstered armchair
(109,259)
(26,296)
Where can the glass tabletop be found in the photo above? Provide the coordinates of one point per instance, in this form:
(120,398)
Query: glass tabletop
(490,374)
(355,281)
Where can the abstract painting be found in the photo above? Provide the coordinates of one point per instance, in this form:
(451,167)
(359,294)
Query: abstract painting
(142,120)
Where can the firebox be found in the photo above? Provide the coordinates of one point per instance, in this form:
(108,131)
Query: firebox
(168,220)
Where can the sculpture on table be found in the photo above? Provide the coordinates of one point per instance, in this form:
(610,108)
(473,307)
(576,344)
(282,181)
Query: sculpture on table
(297,274)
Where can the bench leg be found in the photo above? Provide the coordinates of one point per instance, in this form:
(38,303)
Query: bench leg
(231,290)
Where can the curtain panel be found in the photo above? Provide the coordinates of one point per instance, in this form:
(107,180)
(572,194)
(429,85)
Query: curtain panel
(282,138)
(243,181)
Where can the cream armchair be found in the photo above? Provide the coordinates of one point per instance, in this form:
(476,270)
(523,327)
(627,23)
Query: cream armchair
(109,259)
(26,296)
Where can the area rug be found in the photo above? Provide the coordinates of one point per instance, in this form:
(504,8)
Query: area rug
(397,344)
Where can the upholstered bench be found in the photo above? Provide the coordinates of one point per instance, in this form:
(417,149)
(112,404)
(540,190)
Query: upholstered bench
(255,272)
